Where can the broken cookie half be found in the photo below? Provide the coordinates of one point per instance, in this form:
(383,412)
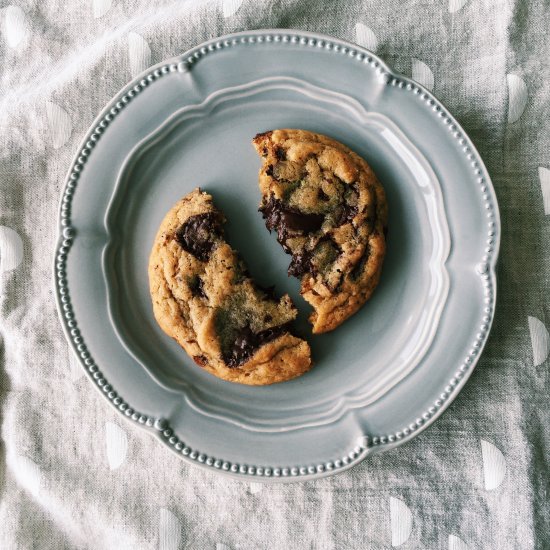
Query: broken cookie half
(205,299)
(329,212)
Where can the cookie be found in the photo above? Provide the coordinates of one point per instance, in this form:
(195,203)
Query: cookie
(204,298)
(329,212)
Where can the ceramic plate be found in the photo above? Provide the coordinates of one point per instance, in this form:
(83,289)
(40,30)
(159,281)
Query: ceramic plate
(380,378)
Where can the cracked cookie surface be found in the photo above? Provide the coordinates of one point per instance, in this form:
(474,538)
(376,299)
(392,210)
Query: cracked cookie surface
(329,212)
(204,298)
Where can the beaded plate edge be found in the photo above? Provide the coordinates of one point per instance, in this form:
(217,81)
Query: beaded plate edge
(366,444)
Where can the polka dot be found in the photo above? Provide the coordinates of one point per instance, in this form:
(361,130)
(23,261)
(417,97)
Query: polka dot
(230,7)
(540,340)
(456,5)
(494,465)
(101,7)
(117,445)
(11,249)
(422,74)
(517,97)
(364,36)
(456,544)
(139,53)
(28,474)
(544,177)
(401,522)
(169,530)
(16,27)
(59,123)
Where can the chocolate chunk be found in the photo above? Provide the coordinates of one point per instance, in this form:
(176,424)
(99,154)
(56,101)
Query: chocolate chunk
(270,213)
(346,214)
(300,264)
(247,342)
(195,285)
(269,170)
(285,220)
(201,360)
(348,209)
(280,153)
(323,196)
(199,233)
(299,221)
(281,217)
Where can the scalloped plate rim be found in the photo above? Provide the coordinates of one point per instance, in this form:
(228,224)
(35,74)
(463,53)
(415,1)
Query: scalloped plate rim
(491,264)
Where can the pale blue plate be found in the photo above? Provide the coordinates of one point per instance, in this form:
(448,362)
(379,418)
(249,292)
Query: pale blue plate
(380,378)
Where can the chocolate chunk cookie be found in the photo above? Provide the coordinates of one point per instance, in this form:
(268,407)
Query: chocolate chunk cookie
(329,212)
(204,298)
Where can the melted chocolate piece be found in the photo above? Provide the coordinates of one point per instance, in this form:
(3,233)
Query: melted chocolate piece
(269,170)
(199,233)
(300,265)
(270,213)
(282,218)
(280,153)
(287,220)
(347,213)
(247,342)
(195,285)
(298,221)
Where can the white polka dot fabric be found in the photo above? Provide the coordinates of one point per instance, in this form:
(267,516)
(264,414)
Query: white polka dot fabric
(73,474)
(422,74)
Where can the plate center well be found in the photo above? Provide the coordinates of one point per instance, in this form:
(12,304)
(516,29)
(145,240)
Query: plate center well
(209,146)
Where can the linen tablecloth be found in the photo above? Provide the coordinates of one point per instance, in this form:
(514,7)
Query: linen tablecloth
(73,474)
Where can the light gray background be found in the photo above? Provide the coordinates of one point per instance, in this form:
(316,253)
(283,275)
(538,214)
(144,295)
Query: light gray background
(73,474)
